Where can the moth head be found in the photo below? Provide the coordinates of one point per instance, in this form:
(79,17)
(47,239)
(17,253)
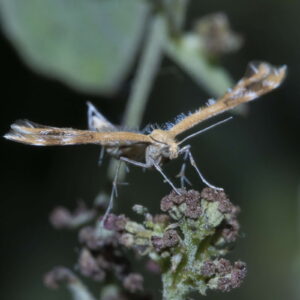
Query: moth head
(167,144)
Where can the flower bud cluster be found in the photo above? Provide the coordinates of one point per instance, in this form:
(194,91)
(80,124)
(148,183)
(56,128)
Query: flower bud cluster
(194,229)
(186,243)
(222,275)
(100,258)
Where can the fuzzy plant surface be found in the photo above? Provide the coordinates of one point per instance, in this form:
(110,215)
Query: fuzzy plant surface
(185,243)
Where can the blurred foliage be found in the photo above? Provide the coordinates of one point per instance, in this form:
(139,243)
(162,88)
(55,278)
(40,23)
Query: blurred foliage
(188,54)
(88,44)
(91,45)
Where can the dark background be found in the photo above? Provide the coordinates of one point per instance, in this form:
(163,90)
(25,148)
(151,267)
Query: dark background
(256,159)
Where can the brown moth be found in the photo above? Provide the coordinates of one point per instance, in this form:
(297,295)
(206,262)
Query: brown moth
(151,150)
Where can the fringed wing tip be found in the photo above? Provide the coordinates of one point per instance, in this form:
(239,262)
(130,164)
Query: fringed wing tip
(23,131)
(15,133)
(281,73)
(275,78)
(271,75)
(9,136)
(16,137)
(282,68)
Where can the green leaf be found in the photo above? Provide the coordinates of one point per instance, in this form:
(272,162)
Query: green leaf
(88,44)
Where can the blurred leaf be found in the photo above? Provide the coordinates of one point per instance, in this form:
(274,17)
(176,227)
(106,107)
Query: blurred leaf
(87,44)
(187,53)
(190,56)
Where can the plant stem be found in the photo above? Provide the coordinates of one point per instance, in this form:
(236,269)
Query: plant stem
(176,12)
(143,81)
(146,72)
(79,291)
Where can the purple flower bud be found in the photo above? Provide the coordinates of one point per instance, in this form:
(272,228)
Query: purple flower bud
(89,267)
(59,275)
(133,282)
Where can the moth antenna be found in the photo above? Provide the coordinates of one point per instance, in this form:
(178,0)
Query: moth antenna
(205,129)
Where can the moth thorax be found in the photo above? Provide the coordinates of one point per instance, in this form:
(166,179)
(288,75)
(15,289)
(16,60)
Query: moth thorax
(162,136)
(166,142)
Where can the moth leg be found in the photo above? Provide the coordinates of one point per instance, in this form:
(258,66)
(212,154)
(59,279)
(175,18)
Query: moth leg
(193,163)
(127,169)
(135,163)
(159,169)
(101,156)
(147,166)
(181,174)
(114,193)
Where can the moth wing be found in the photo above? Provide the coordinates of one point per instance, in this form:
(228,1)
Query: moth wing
(96,121)
(27,132)
(259,79)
